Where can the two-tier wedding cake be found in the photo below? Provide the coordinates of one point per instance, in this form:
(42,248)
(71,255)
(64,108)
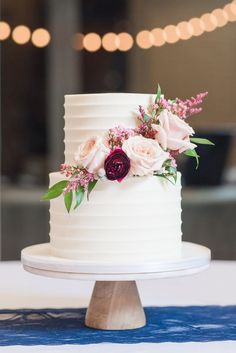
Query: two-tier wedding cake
(117,197)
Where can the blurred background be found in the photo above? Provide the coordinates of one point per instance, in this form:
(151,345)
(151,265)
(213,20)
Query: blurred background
(56,47)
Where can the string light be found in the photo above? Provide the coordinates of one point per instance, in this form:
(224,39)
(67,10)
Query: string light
(184,30)
(230,10)
(209,22)
(92,42)
(170,34)
(124,41)
(221,17)
(197,26)
(158,37)
(77,41)
(145,39)
(21,34)
(5,30)
(110,41)
(40,37)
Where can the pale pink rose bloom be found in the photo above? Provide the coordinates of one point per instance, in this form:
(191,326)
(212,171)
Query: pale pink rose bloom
(91,154)
(146,155)
(173,133)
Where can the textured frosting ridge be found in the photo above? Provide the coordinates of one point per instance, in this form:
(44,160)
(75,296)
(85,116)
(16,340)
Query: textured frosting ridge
(88,115)
(138,219)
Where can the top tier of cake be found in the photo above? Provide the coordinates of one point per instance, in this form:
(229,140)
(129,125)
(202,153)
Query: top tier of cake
(88,115)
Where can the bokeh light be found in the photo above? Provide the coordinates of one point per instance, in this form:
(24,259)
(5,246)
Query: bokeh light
(110,41)
(221,17)
(209,21)
(184,30)
(77,41)
(125,41)
(170,34)
(144,39)
(230,11)
(158,37)
(5,30)
(40,38)
(197,26)
(92,42)
(21,34)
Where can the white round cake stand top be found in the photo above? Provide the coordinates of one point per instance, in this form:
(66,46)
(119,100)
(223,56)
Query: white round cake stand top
(38,260)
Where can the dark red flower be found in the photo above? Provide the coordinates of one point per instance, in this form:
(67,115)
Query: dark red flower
(117,165)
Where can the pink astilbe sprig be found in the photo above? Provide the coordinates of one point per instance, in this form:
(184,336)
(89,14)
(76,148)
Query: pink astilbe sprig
(147,119)
(78,177)
(117,135)
(190,106)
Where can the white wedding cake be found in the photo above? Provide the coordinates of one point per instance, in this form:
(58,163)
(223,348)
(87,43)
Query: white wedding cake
(138,219)
(120,152)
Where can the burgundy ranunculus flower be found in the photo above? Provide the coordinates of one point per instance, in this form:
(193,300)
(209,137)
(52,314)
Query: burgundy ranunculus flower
(117,165)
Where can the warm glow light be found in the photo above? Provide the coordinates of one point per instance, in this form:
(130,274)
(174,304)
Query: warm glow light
(221,17)
(197,26)
(230,11)
(209,21)
(92,42)
(110,41)
(77,41)
(170,34)
(184,30)
(5,30)
(158,37)
(40,38)
(144,39)
(21,34)
(125,42)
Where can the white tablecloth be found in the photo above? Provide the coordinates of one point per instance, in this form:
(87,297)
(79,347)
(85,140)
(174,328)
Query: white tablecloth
(215,286)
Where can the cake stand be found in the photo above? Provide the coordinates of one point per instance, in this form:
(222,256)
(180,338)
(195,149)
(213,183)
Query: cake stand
(115,302)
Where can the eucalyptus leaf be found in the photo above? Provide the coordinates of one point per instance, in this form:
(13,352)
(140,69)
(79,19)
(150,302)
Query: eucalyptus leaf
(158,94)
(201,141)
(193,153)
(91,186)
(55,190)
(172,170)
(79,196)
(68,197)
(146,118)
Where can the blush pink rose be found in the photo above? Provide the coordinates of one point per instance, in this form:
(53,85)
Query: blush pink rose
(91,154)
(145,154)
(173,133)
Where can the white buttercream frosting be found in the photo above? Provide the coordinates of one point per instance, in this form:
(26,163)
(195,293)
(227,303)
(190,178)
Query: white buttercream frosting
(138,219)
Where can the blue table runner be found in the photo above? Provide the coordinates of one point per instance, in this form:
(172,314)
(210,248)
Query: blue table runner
(164,324)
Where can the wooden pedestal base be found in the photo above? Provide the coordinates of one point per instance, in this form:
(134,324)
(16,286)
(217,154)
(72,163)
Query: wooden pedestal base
(115,305)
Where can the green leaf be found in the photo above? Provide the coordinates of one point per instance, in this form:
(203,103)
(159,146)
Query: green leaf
(79,196)
(68,200)
(55,190)
(146,118)
(91,186)
(193,153)
(165,177)
(201,141)
(172,170)
(158,94)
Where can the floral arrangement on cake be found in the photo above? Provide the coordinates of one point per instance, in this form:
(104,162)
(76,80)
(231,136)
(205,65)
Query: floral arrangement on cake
(149,149)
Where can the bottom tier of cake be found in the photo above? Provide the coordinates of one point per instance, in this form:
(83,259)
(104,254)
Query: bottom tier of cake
(138,219)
